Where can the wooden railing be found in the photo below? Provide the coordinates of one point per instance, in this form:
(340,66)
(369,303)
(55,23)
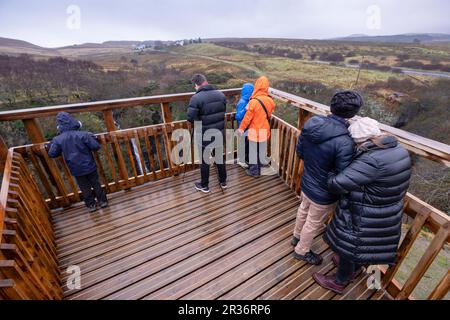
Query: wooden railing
(127,158)
(30,117)
(28,263)
(31,177)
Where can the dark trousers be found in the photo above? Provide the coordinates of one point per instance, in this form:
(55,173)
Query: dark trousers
(204,169)
(345,270)
(257,156)
(91,189)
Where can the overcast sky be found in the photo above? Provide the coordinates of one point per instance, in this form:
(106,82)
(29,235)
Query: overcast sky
(57,23)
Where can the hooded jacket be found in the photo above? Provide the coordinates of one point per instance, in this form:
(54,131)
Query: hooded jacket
(208,105)
(325,146)
(247,92)
(255,119)
(76,146)
(366,227)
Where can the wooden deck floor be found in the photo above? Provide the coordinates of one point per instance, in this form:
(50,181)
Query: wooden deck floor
(164,240)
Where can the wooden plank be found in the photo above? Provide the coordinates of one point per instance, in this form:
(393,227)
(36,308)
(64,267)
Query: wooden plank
(112,168)
(137,142)
(56,176)
(120,161)
(248,229)
(427,259)
(131,155)
(152,162)
(405,246)
(3,153)
(166,113)
(43,178)
(270,277)
(70,245)
(70,179)
(201,276)
(441,289)
(299,281)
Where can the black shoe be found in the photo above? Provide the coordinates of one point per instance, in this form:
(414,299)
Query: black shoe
(103,205)
(310,257)
(223,185)
(198,187)
(295,241)
(92,208)
(251,174)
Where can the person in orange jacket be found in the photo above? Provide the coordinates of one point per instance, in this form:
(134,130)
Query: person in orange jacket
(256,121)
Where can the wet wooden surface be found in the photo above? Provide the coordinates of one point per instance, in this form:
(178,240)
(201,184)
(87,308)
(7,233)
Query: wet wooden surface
(164,240)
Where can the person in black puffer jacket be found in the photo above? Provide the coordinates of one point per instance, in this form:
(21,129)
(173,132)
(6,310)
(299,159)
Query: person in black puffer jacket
(366,227)
(325,146)
(208,105)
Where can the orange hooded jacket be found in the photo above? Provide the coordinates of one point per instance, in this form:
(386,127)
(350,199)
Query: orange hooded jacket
(255,119)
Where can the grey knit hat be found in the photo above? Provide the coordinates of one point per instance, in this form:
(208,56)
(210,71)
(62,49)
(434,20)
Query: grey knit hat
(346,104)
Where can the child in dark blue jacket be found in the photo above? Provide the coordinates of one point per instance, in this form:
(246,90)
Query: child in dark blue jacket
(241,110)
(77,146)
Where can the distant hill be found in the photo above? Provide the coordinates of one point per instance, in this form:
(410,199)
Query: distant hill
(399,38)
(13,46)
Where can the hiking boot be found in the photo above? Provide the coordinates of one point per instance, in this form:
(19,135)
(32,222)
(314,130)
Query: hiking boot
(199,187)
(310,257)
(92,208)
(251,174)
(103,205)
(329,282)
(223,185)
(295,241)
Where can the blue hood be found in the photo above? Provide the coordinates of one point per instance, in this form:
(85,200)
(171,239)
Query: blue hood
(320,129)
(66,122)
(247,91)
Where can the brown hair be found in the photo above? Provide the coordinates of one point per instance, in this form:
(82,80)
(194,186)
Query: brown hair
(198,79)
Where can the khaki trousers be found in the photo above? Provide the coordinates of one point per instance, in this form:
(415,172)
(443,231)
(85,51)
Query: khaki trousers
(311,218)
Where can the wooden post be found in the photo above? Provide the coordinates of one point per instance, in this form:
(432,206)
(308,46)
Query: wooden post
(442,288)
(167,115)
(34,130)
(109,120)
(303,116)
(3,154)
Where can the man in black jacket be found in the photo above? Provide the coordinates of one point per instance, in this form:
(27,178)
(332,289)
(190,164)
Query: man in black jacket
(326,147)
(208,106)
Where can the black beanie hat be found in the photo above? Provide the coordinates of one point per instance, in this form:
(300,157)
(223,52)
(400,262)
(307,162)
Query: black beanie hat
(346,104)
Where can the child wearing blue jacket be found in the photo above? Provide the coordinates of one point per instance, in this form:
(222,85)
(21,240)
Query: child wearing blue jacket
(77,146)
(241,109)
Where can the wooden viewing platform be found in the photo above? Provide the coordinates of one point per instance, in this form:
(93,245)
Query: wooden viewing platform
(160,239)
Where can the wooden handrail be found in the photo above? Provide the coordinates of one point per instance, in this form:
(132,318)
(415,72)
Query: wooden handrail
(421,146)
(41,112)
